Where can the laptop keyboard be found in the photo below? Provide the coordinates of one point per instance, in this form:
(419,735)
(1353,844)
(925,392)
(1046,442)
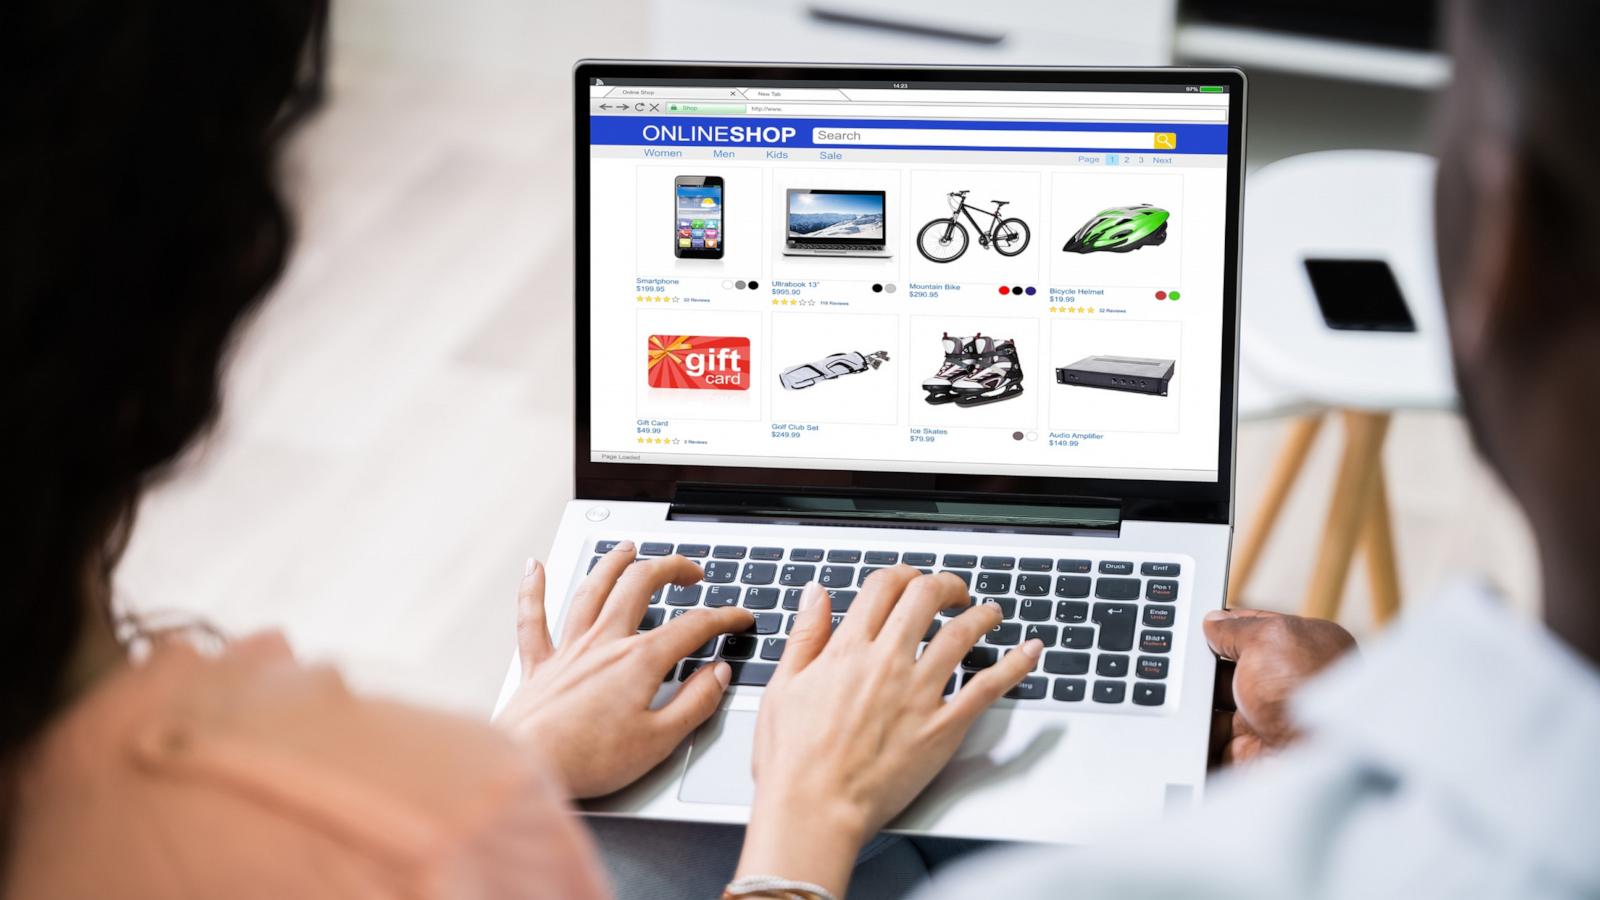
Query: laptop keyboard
(827,245)
(1108,624)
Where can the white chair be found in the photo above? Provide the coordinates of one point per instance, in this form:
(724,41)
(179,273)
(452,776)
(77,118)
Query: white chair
(1361,204)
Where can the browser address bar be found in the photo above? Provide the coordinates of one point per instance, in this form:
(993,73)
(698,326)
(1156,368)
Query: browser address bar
(967,137)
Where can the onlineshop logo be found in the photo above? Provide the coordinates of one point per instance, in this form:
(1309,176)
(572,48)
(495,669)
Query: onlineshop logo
(698,362)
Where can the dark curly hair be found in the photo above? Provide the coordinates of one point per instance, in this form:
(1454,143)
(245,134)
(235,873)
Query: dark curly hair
(141,223)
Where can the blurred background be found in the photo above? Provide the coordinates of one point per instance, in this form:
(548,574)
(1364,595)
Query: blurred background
(396,437)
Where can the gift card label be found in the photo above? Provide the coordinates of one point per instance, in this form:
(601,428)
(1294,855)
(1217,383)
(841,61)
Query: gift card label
(698,362)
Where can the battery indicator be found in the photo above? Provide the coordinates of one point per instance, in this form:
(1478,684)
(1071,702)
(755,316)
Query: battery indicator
(1210,88)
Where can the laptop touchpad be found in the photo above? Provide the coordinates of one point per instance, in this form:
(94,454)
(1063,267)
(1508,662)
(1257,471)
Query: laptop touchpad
(719,761)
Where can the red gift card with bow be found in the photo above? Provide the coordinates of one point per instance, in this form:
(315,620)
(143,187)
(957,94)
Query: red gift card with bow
(698,362)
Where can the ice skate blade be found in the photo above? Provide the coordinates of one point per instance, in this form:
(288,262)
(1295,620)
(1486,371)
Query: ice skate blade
(940,399)
(980,400)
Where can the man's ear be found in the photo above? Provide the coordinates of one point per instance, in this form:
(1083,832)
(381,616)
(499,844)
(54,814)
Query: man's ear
(1496,292)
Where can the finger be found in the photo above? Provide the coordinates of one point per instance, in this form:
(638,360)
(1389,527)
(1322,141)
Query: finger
(983,689)
(592,591)
(954,639)
(679,637)
(813,626)
(1230,631)
(922,600)
(533,632)
(622,609)
(694,702)
(871,607)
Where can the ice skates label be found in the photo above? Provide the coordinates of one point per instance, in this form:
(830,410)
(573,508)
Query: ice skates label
(698,362)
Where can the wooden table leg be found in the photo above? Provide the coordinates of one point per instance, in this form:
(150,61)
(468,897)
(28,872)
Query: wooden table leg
(1363,448)
(1291,459)
(1377,545)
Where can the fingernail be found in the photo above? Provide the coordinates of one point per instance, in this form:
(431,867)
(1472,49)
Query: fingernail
(1032,648)
(809,595)
(527,567)
(723,673)
(1216,615)
(624,546)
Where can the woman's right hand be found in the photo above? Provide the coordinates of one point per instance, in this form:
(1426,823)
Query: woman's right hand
(854,723)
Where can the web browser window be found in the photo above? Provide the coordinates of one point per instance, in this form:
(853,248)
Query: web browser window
(983,279)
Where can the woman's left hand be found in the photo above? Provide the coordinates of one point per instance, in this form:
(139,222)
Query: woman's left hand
(586,703)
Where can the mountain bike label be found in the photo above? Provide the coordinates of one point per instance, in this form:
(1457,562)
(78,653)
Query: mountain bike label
(698,362)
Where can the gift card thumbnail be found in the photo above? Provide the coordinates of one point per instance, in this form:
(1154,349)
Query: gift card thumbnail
(698,362)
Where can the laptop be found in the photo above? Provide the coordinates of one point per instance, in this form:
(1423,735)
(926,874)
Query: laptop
(824,222)
(1098,525)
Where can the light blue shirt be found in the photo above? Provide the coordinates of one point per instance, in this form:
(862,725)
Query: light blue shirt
(1458,756)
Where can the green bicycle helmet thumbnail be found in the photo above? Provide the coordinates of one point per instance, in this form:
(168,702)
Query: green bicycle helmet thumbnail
(1120,229)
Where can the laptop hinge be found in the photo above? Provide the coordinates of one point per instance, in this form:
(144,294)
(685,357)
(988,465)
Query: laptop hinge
(890,509)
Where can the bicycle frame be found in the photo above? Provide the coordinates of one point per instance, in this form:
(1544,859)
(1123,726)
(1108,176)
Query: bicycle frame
(968,209)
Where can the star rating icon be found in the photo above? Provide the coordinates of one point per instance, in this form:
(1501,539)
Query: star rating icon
(783,301)
(652,440)
(647,298)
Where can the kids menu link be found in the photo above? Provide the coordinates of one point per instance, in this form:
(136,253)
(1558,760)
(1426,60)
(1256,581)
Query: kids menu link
(981,283)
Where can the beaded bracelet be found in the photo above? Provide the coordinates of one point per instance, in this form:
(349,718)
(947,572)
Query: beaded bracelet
(774,887)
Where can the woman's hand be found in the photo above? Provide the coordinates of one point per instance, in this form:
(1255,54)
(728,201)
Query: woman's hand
(1275,654)
(586,703)
(854,724)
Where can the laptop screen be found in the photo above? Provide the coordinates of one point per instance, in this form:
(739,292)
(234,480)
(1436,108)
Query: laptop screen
(838,272)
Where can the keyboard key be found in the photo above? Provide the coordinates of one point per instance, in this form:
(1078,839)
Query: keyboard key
(1004,635)
(1117,589)
(1068,690)
(1046,633)
(1151,667)
(751,673)
(1002,563)
(918,559)
(980,658)
(670,671)
(1061,662)
(760,598)
(1008,606)
(1073,566)
(1072,585)
(1162,569)
(1161,591)
(950,684)
(966,577)
(694,551)
(768,554)
(882,557)
(1071,612)
(1116,621)
(1077,637)
(593,561)
(721,571)
(1109,691)
(848,557)
(838,576)
(739,646)
(758,573)
(1034,610)
(1149,694)
(788,624)
(656,597)
(804,555)
(652,619)
(704,650)
(993,583)
(728,551)
(840,600)
(604,546)
(797,576)
(772,648)
(722,595)
(1029,688)
(1115,567)
(1159,616)
(933,629)
(676,613)
(655,549)
(679,595)
(689,667)
(791,599)
(1155,641)
(960,561)
(1111,665)
(767,623)
(1033,585)
(1035,564)
(834,620)
(865,572)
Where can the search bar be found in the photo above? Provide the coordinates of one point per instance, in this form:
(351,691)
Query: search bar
(965,137)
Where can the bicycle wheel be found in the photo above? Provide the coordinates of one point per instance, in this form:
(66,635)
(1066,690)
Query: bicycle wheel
(1011,237)
(942,240)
